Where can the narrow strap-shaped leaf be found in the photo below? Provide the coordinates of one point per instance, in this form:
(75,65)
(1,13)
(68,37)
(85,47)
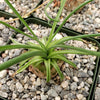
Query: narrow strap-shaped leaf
(62,40)
(14,41)
(89,52)
(36,64)
(8,47)
(32,61)
(47,64)
(47,13)
(94,53)
(61,57)
(54,64)
(21,58)
(55,23)
(23,62)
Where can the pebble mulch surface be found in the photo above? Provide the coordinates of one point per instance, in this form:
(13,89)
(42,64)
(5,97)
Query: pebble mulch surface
(27,86)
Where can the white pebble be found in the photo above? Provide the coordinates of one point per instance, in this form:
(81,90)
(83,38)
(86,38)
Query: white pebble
(3,73)
(97,20)
(75,79)
(2,27)
(19,87)
(10,11)
(3,94)
(57,98)
(64,84)
(58,36)
(79,96)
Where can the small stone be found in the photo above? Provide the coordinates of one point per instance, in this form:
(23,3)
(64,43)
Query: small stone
(1,41)
(38,82)
(70,56)
(58,88)
(3,73)
(79,96)
(19,87)
(75,79)
(85,93)
(90,73)
(89,81)
(82,74)
(58,36)
(25,96)
(82,84)
(11,72)
(26,86)
(97,20)
(52,93)
(64,84)
(44,97)
(2,26)
(5,31)
(26,79)
(57,98)
(3,94)
(99,80)
(4,55)
(97,94)
(71,96)
(10,11)
(14,95)
(74,86)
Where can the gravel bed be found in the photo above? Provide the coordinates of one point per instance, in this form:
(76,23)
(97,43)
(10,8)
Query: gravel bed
(28,86)
(87,21)
(22,6)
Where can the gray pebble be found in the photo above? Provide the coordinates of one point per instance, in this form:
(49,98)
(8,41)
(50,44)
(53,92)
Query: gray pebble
(19,87)
(44,97)
(74,86)
(71,96)
(97,94)
(2,6)
(90,73)
(99,80)
(52,93)
(82,74)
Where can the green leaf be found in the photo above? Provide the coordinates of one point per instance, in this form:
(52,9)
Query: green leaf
(32,61)
(21,58)
(87,52)
(62,57)
(14,41)
(23,62)
(94,53)
(36,64)
(54,64)
(8,47)
(47,64)
(55,22)
(64,39)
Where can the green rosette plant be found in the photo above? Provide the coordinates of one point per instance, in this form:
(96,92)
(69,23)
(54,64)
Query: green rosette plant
(46,50)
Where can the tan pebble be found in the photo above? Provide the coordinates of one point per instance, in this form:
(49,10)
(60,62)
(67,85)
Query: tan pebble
(98,30)
(4,55)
